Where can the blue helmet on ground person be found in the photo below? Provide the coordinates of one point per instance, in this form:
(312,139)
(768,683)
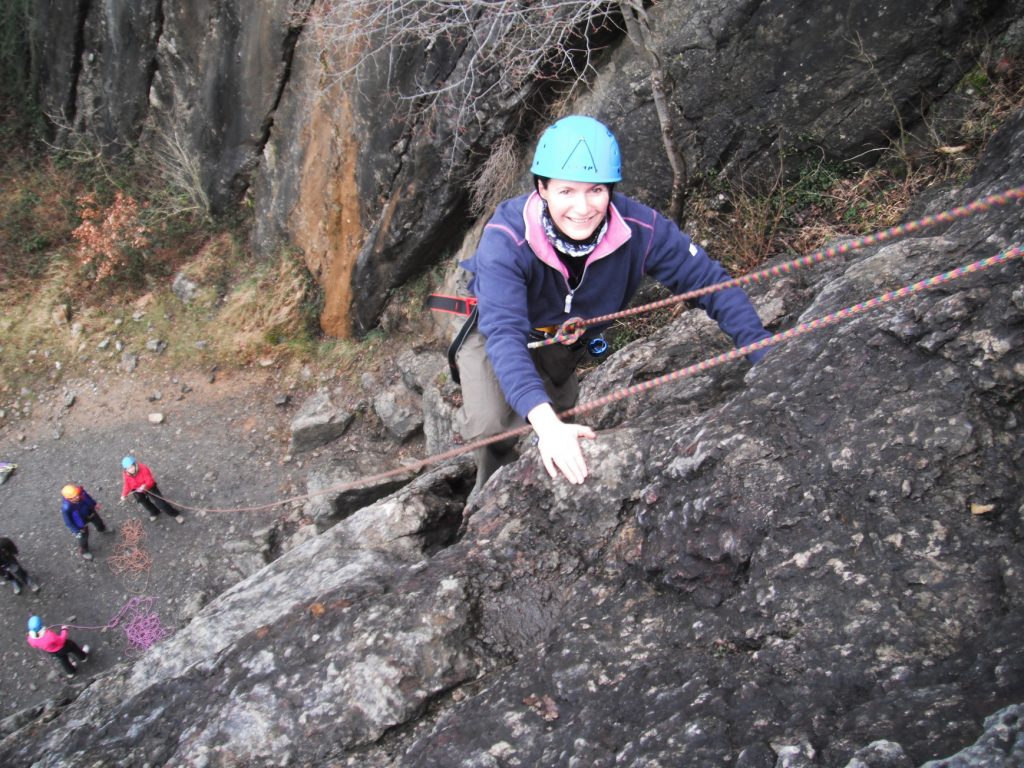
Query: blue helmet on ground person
(128,462)
(35,624)
(578,148)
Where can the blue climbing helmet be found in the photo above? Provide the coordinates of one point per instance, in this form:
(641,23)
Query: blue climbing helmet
(35,624)
(128,462)
(578,148)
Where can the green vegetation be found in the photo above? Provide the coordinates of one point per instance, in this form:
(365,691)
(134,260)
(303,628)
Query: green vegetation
(89,251)
(808,203)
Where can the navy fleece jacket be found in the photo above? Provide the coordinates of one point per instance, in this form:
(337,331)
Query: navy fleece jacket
(521,284)
(76,513)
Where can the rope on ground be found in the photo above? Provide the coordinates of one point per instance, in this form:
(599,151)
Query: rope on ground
(623,393)
(130,561)
(572,329)
(140,623)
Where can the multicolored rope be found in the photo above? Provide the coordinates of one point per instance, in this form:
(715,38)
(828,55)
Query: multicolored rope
(798,330)
(621,394)
(573,328)
(130,560)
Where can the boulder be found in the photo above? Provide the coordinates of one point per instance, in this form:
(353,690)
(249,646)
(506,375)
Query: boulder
(421,369)
(438,413)
(331,501)
(401,411)
(318,422)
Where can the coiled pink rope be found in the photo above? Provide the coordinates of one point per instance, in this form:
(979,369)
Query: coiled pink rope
(141,624)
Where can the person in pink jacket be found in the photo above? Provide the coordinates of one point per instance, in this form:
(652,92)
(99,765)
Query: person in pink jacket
(139,482)
(56,644)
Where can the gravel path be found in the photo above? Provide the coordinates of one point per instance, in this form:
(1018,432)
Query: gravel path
(224,443)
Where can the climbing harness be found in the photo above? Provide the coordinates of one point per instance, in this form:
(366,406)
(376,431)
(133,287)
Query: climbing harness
(453,305)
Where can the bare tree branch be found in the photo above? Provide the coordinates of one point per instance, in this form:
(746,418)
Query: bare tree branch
(639,32)
(495,51)
(498,48)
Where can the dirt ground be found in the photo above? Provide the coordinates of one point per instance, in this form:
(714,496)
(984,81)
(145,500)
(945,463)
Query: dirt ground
(224,443)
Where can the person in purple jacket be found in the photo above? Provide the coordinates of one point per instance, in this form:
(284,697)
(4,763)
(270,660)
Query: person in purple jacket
(78,510)
(571,248)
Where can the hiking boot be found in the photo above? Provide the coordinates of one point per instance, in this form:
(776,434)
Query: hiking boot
(179,520)
(17,588)
(87,555)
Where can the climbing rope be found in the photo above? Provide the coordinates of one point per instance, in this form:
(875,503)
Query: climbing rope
(798,330)
(130,561)
(141,625)
(572,329)
(623,393)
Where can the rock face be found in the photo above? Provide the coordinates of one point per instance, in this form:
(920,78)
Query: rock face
(820,566)
(346,172)
(751,78)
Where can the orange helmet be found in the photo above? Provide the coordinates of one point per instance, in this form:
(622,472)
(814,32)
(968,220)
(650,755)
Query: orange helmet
(71,492)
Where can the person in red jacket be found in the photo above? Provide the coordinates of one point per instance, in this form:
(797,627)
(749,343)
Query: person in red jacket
(139,482)
(56,644)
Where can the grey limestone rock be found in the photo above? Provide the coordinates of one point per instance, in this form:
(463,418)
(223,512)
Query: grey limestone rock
(318,422)
(401,411)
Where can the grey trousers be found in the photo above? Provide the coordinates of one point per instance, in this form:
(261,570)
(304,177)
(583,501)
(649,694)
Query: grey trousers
(484,409)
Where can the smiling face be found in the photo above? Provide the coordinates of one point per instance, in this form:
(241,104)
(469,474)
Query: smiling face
(577,208)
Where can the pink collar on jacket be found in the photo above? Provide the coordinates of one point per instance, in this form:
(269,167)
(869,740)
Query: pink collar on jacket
(618,233)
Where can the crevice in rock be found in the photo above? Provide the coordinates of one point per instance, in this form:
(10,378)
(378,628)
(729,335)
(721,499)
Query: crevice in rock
(288,45)
(445,527)
(241,181)
(158,32)
(70,106)
(444,531)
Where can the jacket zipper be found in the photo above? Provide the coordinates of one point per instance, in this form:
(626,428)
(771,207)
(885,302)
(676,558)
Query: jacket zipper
(572,291)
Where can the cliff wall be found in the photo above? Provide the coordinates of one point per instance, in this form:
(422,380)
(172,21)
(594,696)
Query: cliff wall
(372,190)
